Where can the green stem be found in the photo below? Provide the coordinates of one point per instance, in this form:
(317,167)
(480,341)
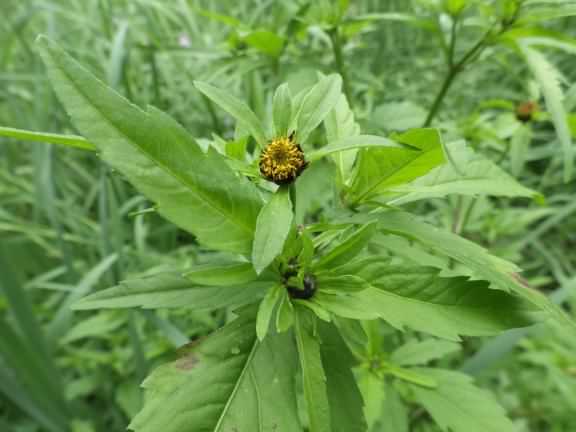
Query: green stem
(452,46)
(452,72)
(454,69)
(339,60)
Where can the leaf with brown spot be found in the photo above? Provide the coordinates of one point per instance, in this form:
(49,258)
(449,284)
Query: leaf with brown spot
(228,381)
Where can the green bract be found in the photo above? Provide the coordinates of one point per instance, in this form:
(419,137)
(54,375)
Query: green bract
(307,299)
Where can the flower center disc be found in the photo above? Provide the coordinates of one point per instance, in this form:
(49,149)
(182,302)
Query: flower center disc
(282,161)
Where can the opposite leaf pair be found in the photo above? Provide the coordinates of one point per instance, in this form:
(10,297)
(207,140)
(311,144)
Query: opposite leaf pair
(242,377)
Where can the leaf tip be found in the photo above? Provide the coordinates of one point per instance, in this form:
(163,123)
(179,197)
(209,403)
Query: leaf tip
(258,268)
(260,334)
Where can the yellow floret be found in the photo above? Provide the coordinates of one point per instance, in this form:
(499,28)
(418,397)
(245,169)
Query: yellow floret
(282,161)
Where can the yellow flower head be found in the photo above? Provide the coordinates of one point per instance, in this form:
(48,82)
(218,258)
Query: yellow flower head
(282,160)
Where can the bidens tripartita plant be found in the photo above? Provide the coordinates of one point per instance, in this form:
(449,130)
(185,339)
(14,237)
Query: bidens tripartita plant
(319,303)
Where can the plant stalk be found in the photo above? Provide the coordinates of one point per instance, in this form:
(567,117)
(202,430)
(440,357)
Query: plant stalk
(454,69)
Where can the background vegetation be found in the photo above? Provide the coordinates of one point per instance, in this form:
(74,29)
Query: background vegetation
(69,226)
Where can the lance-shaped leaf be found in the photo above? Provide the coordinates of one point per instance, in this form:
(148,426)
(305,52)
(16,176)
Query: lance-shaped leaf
(416,297)
(416,352)
(346,407)
(379,169)
(457,405)
(488,267)
(282,110)
(313,377)
(333,283)
(549,78)
(395,413)
(351,143)
(546,10)
(266,310)
(316,105)
(197,191)
(236,108)
(272,228)
(228,382)
(168,290)
(66,140)
(339,124)
(221,274)
(475,176)
(348,249)
(285,314)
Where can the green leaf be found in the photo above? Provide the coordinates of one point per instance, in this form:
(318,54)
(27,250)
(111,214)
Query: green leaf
(351,143)
(519,146)
(541,12)
(549,80)
(314,379)
(395,414)
(97,326)
(372,388)
(393,16)
(348,249)
(314,190)
(236,108)
(66,140)
(459,406)
(282,110)
(380,169)
(266,310)
(416,352)
(418,298)
(265,41)
(340,123)
(346,305)
(194,190)
(221,274)
(316,105)
(228,382)
(221,18)
(167,290)
(398,116)
(307,252)
(476,176)
(285,314)
(272,228)
(318,310)
(27,382)
(411,375)
(485,266)
(333,283)
(346,407)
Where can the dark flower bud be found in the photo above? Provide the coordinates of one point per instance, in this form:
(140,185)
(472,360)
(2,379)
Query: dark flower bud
(525,111)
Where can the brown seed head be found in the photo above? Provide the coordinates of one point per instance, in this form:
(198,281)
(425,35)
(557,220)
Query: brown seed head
(526,110)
